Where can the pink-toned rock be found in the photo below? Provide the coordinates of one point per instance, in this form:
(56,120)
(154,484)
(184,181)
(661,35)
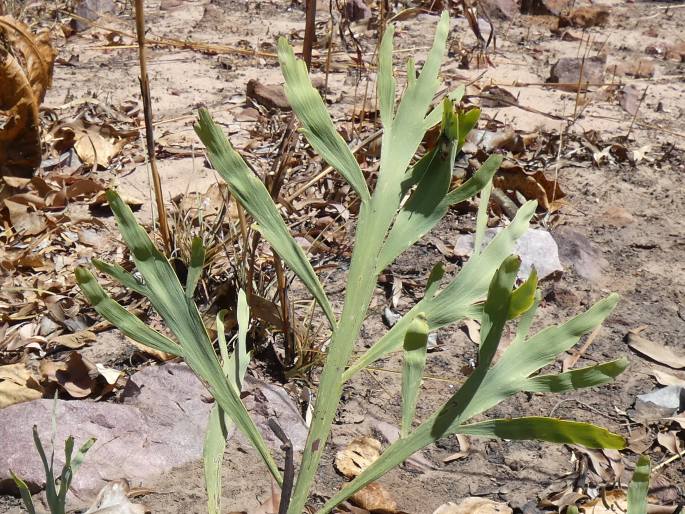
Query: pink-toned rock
(270,96)
(160,425)
(571,70)
(545,7)
(357,10)
(500,9)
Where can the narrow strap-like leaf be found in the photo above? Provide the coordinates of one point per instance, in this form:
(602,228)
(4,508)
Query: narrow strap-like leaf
(415,347)
(434,279)
(316,123)
(118,316)
(120,274)
(590,376)
(213,457)
(197,262)
(639,487)
(386,80)
(24,492)
(551,430)
(482,218)
(254,197)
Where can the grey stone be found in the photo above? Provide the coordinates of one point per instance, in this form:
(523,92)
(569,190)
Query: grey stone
(567,70)
(536,248)
(160,425)
(577,251)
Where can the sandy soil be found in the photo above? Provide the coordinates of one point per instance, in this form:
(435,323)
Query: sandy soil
(641,258)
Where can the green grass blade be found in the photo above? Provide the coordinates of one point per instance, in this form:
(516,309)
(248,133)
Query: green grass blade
(639,487)
(434,279)
(50,491)
(254,197)
(121,275)
(476,183)
(242,357)
(67,474)
(316,123)
(590,376)
(523,298)
(197,262)
(81,454)
(24,492)
(551,430)
(415,348)
(457,300)
(386,80)
(118,316)
(212,456)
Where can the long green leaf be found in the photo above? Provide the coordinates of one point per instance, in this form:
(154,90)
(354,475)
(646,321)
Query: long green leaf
(24,492)
(120,274)
(439,424)
(197,262)
(386,79)
(118,316)
(639,487)
(254,197)
(234,367)
(551,430)
(316,123)
(456,301)
(213,456)
(435,115)
(417,219)
(167,296)
(590,376)
(415,348)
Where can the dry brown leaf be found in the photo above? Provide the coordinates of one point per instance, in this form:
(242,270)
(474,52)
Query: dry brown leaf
(616,501)
(474,505)
(666,379)
(358,455)
(25,220)
(656,351)
(20,150)
(670,441)
(472,330)
(77,375)
(464,449)
(94,144)
(17,385)
(74,341)
(152,352)
(374,498)
(534,186)
(37,54)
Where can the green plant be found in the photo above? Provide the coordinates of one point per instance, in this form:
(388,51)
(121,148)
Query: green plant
(56,487)
(407,202)
(639,486)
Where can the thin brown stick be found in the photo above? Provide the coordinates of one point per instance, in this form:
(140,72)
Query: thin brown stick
(309,32)
(149,131)
(637,109)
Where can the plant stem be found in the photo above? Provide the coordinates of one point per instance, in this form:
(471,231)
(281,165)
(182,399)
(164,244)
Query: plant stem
(309,33)
(149,133)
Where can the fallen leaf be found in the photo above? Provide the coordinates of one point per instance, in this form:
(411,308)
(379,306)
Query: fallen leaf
(670,441)
(375,498)
(666,379)
(655,351)
(94,144)
(472,328)
(20,147)
(17,385)
(358,455)
(76,375)
(464,449)
(532,186)
(73,341)
(113,499)
(25,220)
(474,505)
